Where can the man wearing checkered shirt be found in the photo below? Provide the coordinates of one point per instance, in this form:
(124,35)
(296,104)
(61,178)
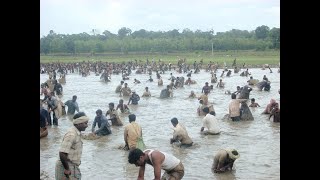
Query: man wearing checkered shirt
(67,166)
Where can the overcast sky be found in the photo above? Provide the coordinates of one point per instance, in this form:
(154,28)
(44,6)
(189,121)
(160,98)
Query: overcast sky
(77,16)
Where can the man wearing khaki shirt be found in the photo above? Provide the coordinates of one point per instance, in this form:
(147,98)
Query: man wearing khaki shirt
(132,132)
(67,166)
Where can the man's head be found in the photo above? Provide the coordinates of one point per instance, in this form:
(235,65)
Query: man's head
(146,88)
(213,113)
(80,121)
(205,110)
(99,112)
(233,154)
(111,105)
(121,101)
(206,83)
(74,98)
(201,101)
(136,157)
(125,84)
(121,82)
(174,121)
(233,96)
(132,117)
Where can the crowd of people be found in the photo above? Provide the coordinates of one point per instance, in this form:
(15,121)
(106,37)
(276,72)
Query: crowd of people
(68,162)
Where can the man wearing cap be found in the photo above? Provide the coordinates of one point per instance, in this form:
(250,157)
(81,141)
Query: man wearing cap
(67,166)
(224,159)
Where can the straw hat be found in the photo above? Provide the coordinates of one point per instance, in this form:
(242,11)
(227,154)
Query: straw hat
(231,155)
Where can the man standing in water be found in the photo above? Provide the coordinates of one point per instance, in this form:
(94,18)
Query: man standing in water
(132,132)
(67,166)
(134,98)
(146,93)
(72,106)
(234,107)
(113,114)
(103,124)
(172,166)
(119,87)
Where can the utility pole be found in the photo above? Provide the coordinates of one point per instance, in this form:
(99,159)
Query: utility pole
(212,48)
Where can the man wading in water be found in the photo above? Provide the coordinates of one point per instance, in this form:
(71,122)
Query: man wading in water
(67,166)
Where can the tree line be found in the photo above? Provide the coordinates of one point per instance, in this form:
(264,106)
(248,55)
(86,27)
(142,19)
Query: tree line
(126,41)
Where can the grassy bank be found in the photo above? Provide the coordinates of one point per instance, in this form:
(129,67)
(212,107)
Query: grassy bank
(248,57)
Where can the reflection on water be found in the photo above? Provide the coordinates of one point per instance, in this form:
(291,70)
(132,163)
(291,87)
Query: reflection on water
(258,141)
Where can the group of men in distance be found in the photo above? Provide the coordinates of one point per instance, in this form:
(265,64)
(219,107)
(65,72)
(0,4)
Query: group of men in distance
(67,165)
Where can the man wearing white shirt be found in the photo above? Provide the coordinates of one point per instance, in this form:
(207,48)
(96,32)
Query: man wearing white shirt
(210,122)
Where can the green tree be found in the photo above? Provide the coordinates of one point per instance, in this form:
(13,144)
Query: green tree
(262,32)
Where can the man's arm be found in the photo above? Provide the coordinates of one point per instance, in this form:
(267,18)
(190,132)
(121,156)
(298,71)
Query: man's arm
(174,138)
(156,159)
(64,151)
(94,124)
(204,123)
(141,172)
(64,160)
(221,161)
(125,135)
(77,107)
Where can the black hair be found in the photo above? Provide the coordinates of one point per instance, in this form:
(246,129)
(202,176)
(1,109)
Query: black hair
(132,117)
(174,120)
(234,152)
(134,155)
(233,96)
(213,113)
(252,99)
(111,104)
(99,111)
(79,114)
(206,110)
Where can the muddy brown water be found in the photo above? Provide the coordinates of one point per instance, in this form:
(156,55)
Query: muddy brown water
(257,141)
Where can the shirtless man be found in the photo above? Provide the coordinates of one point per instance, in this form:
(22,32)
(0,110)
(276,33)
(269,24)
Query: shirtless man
(253,103)
(180,134)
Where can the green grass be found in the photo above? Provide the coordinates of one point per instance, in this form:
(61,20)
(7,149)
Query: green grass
(248,57)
